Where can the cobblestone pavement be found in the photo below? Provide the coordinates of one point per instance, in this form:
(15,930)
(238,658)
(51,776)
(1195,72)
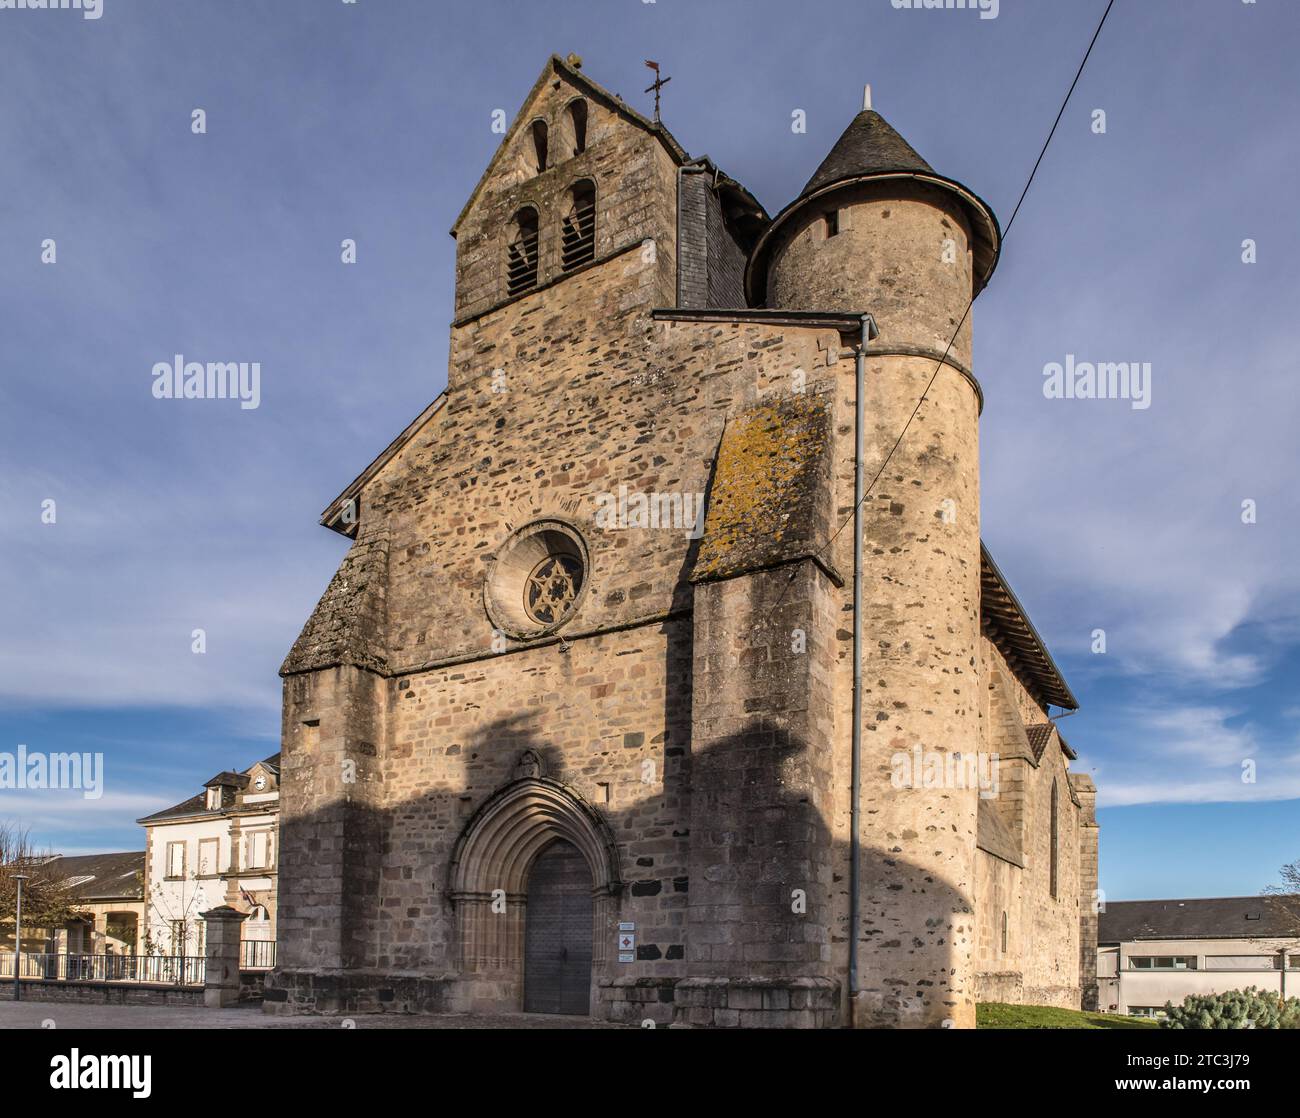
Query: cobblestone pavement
(66,1015)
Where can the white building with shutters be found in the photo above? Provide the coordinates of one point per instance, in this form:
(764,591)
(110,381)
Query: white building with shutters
(219,847)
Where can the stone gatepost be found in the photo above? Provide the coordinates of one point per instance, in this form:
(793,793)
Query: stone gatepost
(221,981)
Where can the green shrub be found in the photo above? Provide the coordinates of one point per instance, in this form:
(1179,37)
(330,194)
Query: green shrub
(1234,1009)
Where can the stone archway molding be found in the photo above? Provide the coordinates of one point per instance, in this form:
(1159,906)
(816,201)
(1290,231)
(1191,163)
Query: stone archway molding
(488,877)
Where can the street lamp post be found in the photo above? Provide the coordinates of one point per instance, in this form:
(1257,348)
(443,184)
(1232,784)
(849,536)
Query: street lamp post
(18,938)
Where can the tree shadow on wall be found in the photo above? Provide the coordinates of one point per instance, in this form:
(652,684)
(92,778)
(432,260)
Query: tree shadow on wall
(760,883)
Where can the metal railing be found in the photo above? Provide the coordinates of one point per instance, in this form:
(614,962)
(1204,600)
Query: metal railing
(168,970)
(257,954)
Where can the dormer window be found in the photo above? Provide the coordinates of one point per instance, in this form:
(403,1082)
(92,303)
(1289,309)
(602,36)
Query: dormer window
(521,252)
(578,227)
(539,144)
(576,119)
(214,798)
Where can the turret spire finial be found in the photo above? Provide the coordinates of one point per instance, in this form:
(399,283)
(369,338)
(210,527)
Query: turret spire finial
(866,97)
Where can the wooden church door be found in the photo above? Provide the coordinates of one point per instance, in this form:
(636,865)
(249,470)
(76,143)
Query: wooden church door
(557,933)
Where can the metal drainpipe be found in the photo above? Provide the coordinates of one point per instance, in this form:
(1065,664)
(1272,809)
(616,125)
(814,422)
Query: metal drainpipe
(855,772)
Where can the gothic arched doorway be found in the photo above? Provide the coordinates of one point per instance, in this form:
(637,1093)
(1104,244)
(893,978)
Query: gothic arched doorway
(558,932)
(531,861)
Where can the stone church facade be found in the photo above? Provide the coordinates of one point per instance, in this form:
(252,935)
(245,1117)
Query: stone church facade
(570,729)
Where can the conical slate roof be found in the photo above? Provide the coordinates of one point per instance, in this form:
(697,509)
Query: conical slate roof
(868,146)
(869,149)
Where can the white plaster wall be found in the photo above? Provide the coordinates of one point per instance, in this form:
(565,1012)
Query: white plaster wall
(1155,987)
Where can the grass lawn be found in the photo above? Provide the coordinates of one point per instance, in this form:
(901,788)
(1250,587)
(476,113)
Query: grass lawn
(996,1015)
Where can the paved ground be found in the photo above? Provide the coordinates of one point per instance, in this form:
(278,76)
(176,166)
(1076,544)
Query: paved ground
(67,1015)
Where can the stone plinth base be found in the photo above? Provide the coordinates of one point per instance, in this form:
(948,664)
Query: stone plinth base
(738,1003)
(343,992)
(633,1001)
(1003,986)
(756,1003)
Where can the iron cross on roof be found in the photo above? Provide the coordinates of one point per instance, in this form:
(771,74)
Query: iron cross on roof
(658,84)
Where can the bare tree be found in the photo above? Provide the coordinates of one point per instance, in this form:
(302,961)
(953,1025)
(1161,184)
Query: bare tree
(1284,901)
(184,913)
(48,901)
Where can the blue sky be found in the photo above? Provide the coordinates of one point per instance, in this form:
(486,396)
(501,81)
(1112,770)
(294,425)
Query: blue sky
(372,121)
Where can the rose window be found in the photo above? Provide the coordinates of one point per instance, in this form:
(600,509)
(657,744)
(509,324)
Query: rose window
(538,581)
(552,588)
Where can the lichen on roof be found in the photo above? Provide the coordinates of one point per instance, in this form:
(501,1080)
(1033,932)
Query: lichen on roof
(767,501)
(348,624)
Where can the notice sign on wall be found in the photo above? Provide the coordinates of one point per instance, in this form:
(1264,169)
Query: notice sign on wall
(626,943)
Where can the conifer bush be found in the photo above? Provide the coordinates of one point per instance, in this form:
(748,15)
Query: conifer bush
(1251,1008)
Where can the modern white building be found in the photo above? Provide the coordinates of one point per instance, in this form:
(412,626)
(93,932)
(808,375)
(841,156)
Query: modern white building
(216,848)
(1153,952)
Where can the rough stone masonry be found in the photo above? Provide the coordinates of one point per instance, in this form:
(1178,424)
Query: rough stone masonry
(531,760)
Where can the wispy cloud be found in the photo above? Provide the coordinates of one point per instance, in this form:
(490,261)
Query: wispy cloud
(1195,754)
(52,812)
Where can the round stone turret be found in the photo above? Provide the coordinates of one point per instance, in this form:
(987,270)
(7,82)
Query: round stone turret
(878,229)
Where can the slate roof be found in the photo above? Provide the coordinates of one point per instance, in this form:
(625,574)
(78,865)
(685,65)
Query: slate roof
(195,805)
(1197,918)
(1039,734)
(192,806)
(1009,627)
(112,876)
(350,620)
(867,146)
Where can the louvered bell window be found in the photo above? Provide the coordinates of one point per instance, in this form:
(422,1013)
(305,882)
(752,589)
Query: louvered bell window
(521,254)
(578,229)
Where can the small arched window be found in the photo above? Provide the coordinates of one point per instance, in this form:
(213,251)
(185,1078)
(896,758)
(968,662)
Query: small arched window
(576,114)
(578,227)
(521,252)
(1054,855)
(1004,933)
(539,144)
